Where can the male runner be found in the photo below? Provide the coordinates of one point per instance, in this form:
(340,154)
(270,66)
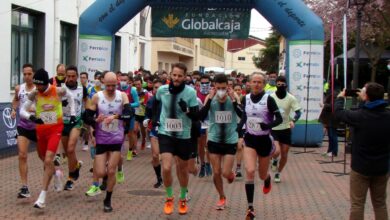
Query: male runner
(60,77)
(178,107)
(282,133)
(112,109)
(260,114)
(71,132)
(26,128)
(220,105)
(48,117)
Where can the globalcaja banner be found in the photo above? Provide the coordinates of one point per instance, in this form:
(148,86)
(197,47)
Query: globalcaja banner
(200,24)
(302,55)
(94,54)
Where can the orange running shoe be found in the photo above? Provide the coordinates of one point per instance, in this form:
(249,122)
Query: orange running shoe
(267,185)
(183,208)
(168,207)
(221,204)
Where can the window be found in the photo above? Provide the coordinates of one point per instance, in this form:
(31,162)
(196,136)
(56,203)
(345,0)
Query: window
(160,66)
(68,43)
(142,54)
(241,58)
(142,21)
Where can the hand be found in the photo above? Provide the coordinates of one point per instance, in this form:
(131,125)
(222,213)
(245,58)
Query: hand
(72,120)
(292,124)
(145,123)
(183,105)
(264,126)
(212,92)
(100,118)
(341,94)
(64,102)
(36,120)
(231,93)
(13,113)
(109,119)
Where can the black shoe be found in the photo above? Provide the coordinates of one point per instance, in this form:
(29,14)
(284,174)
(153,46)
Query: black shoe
(107,206)
(76,174)
(24,193)
(68,185)
(103,187)
(202,171)
(250,214)
(158,184)
(238,173)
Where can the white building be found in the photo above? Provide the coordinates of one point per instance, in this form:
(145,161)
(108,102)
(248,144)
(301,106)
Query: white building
(45,34)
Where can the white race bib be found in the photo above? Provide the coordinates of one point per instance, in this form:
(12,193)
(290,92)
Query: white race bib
(175,125)
(112,127)
(223,117)
(49,117)
(253,123)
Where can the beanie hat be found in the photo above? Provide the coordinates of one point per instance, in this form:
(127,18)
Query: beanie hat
(41,77)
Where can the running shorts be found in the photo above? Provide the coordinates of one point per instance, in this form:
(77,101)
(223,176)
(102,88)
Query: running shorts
(104,148)
(221,149)
(48,138)
(262,144)
(139,118)
(283,136)
(29,134)
(177,147)
(68,128)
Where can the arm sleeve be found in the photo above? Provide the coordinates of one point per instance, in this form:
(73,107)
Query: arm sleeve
(135,102)
(274,109)
(149,108)
(298,114)
(237,109)
(156,111)
(204,111)
(126,113)
(24,113)
(193,113)
(90,117)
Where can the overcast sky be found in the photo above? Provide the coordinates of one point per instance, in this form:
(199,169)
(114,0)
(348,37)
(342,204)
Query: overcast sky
(259,26)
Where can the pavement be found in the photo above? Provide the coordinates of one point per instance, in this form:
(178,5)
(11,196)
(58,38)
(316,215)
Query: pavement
(306,192)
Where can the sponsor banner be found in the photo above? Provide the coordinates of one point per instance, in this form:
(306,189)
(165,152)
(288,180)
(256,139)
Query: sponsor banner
(8,124)
(94,54)
(200,24)
(303,54)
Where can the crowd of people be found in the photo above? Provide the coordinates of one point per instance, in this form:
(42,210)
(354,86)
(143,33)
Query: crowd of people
(215,120)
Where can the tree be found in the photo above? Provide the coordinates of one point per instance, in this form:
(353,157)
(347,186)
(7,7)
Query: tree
(268,58)
(375,35)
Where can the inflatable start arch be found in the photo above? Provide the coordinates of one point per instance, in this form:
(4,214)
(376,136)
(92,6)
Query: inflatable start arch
(302,29)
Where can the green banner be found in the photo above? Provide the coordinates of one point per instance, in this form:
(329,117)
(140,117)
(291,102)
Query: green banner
(200,24)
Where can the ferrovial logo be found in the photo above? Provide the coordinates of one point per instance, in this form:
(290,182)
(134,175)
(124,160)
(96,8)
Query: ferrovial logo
(213,25)
(8,120)
(171,21)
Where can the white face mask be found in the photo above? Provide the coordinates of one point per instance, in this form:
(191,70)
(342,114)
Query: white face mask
(221,93)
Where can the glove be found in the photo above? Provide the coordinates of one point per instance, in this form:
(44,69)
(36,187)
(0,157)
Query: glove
(145,123)
(36,120)
(72,120)
(265,126)
(239,129)
(64,102)
(183,105)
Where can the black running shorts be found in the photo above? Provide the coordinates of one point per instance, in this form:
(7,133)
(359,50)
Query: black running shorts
(176,146)
(104,148)
(262,144)
(283,136)
(221,149)
(29,134)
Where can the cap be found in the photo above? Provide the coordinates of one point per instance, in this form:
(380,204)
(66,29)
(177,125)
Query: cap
(41,77)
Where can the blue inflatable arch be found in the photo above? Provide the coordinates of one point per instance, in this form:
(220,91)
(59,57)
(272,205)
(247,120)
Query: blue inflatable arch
(302,28)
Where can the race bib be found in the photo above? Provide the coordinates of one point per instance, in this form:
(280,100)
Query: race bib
(223,117)
(173,125)
(112,127)
(49,117)
(254,124)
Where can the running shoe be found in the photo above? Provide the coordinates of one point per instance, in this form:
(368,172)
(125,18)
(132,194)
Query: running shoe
(183,207)
(238,173)
(277,178)
(209,171)
(68,185)
(120,177)
(76,174)
(267,185)
(221,204)
(129,155)
(157,185)
(188,197)
(24,193)
(93,191)
(57,160)
(107,206)
(168,207)
(202,171)
(250,214)
(85,147)
(274,165)
(58,186)
(39,205)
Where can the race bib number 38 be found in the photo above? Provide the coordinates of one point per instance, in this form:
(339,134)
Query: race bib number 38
(223,117)
(49,117)
(254,123)
(173,125)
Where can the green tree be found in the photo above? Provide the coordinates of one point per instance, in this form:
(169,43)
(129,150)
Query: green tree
(268,58)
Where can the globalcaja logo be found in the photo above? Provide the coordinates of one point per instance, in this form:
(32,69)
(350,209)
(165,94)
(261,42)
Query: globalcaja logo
(171,21)
(8,120)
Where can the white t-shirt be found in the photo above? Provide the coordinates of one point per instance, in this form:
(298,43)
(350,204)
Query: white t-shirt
(286,106)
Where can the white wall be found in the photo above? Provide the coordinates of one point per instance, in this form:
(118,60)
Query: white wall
(67,11)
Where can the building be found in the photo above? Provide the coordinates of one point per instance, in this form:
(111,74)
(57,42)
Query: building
(240,53)
(197,54)
(45,34)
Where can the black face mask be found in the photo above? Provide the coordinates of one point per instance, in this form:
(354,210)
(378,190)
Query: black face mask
(176,89)
(281,91)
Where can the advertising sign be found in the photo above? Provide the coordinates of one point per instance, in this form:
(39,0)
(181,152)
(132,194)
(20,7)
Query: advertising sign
(8,130)
(200,24)
(94,54)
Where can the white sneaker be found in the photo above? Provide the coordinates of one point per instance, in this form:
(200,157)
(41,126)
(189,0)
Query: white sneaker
(149,146)
(85,147)
(39,205)
(58,185)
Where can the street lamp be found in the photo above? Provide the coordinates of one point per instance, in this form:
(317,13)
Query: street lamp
(359,4)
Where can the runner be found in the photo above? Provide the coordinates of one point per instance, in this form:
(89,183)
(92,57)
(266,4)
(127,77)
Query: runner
(71,132)
(259,110)
(222,136)
(48,117)
(113,109)
(134,102)
(25,128)
(153,130)
(60,77)
(178,108)
(140,112)
(282,133)
(240,144)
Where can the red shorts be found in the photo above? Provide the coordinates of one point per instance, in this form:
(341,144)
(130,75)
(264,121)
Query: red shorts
(49,138)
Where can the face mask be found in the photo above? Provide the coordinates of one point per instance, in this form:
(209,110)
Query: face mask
(272,82)
(204,88)
(124,85)
(221,93)
(98,83)
(281,88)
(60,78)
(388,67)
(103,87)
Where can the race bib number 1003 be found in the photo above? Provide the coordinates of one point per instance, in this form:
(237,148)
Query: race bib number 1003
(175,125)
